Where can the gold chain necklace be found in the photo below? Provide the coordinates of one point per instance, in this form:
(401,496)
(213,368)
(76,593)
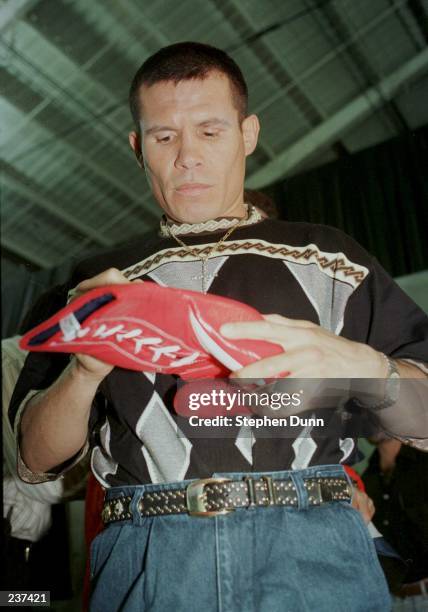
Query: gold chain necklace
(204,257)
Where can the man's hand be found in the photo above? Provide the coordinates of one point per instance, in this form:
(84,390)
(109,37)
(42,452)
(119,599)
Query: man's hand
(86,365)
(310,351)
(365,506)
(54,425)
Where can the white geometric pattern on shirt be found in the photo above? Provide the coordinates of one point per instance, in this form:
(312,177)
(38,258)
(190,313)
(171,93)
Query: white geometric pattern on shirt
(336,265)
(244,442)
(165,449)
(346,445)
(151,376)
(187,274)
(327,279)
(304,448)
(102,463)
(327,295)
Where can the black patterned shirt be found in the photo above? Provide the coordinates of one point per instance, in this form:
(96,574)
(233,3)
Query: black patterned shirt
(298,270)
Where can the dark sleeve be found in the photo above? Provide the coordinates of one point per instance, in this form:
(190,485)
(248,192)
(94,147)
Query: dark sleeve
(381,314)
(40,370)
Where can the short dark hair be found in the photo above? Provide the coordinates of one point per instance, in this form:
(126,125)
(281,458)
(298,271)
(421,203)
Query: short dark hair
(184,61)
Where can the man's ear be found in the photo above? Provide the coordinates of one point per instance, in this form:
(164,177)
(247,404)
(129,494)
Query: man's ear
(135,142)
(250,132)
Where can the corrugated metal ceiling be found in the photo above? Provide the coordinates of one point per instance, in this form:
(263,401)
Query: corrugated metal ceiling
(325,78)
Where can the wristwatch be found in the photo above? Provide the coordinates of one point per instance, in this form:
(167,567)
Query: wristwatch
(392,387)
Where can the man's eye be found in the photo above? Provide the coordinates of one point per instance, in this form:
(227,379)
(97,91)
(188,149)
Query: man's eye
(164,139)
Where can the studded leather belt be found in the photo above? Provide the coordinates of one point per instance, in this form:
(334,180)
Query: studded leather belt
(214,496)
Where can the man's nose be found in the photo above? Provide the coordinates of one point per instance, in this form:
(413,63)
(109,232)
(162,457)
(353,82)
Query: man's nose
(189,154)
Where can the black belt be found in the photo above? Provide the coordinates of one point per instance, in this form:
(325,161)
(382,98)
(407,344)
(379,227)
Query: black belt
(213,496)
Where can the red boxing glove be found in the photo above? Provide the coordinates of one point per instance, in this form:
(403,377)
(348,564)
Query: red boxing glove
(151,328)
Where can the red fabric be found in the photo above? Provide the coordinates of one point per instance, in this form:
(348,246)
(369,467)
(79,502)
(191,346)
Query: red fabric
(156,329)
(355,477)
(93,525)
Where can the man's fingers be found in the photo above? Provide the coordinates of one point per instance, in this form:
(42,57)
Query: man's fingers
(112,276)
(364,504)
(289,338)
(108,277)
(291,363)
(265,368)
(92,366)
(276,318)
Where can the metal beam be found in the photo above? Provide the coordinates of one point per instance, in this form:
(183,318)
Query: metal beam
(52,89)
(132,16)
(325,59)
(245,26)
(263,48)
(23,252)
(49,206)
(13,10)
(105,226)
(404,18)
(50,98)
(333,127)
(94,13)
(360,66)
(419,13)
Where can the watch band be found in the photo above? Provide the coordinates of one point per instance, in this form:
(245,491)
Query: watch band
(392,387)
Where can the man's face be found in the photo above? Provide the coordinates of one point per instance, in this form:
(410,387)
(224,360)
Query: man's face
(193,147)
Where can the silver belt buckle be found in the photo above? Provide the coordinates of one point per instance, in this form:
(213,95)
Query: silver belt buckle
(196,498)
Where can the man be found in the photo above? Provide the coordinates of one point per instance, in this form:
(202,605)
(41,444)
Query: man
(36,547)
(397,479)
(290,539)
(35,551)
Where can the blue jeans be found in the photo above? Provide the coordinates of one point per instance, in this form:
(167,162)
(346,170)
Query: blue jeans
(276,559)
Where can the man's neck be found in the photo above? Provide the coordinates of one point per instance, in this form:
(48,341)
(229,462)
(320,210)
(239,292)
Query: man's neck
(388,451)
(238,214)
(169,226)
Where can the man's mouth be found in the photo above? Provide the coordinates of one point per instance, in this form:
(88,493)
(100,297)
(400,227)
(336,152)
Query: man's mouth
(190,189)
